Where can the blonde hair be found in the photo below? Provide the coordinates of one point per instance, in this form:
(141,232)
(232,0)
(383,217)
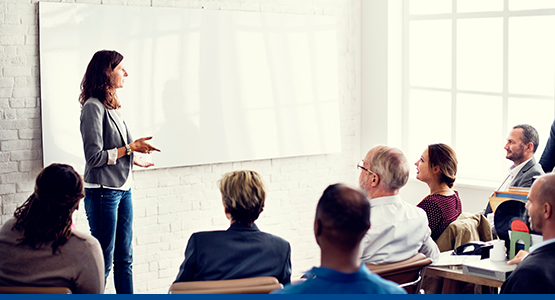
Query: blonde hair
(243,195)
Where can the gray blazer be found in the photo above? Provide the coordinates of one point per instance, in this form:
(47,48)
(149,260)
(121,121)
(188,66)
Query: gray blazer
(524,178)
(100,132)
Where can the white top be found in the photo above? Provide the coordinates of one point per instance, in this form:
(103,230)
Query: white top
(398,230)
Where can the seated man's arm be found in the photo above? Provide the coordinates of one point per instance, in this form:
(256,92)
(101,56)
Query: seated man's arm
(430,249)
(187,269)
(285,277)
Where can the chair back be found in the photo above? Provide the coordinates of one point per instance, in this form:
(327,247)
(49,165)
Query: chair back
(255,285)
(34,290)
(406,272)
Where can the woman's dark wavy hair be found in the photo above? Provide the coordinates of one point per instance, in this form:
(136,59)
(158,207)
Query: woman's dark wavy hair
(47,214)
(97,81)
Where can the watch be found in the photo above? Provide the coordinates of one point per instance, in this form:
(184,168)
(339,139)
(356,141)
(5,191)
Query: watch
(128,148)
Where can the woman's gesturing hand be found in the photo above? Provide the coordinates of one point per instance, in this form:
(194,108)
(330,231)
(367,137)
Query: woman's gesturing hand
(140,145)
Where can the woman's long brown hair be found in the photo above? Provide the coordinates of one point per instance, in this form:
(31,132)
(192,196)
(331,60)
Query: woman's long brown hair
(46,216)
(97,81)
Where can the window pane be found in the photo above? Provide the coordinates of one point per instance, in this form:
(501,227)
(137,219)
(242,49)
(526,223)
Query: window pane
(480,54)
(430,53)
(479,138)
(419,7)
(530,4)
(429,121)
(479,5)
(536,112)
(531,55)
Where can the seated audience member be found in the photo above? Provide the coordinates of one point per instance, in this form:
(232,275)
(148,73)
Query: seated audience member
(342,218)
(535,274)
(521,145)
(399,229)
(39,247)
(547,161)
(242,251)
(437,167)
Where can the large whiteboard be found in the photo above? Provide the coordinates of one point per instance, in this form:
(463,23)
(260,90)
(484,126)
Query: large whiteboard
(210,86)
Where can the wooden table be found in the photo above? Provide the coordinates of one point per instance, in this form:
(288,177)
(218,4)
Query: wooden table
(451,277)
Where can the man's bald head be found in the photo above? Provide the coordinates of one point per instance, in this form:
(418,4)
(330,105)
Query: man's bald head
(545,189)
(541,201)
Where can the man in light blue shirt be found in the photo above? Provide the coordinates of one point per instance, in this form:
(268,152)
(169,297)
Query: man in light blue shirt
(535,274)
(342,219)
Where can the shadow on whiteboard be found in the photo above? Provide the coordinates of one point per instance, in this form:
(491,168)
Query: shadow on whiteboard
(209,86)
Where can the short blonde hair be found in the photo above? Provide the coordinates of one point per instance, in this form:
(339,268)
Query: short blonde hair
(243,195)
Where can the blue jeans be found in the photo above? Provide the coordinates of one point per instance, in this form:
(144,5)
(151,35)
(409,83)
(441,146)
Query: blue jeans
(110,216)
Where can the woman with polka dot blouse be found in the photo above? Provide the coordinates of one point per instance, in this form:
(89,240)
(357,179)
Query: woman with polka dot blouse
(437,167)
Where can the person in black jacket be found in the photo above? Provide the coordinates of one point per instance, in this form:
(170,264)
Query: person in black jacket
(547,161)
(242,251)
(535,274)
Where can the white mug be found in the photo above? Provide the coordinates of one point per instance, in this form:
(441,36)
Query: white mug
(497,253)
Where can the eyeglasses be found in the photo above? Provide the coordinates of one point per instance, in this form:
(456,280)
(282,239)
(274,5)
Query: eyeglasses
(360,165)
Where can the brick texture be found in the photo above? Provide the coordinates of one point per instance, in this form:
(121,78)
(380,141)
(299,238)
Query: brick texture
(171,204)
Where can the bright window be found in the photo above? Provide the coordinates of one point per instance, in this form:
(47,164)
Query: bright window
(471,70)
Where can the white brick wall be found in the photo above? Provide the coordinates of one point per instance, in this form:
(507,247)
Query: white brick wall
(171,204)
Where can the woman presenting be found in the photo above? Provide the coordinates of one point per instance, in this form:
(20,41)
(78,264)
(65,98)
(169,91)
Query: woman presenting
(109,148)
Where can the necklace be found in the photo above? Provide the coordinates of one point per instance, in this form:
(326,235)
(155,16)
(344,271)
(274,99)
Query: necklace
(440,192)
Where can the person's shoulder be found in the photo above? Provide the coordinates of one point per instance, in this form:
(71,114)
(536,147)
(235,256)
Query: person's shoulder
(530,276)
(213,235)
(81,246)
(550,248)
(93,105)
(428,200)
(532,168)
(543,257)
(416,209)
(86,239)
(300,287)
(424,200)
(8,225)
(382,286)
(93,102)
(276,240)
(7,232)
(537,169)
(208,233)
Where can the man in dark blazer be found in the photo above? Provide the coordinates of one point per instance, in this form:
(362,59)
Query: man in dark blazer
(548,156)
(521,146)
(535,274)
(242,251)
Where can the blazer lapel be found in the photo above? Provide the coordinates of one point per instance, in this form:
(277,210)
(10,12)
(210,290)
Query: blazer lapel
(114,118)
(528,165)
